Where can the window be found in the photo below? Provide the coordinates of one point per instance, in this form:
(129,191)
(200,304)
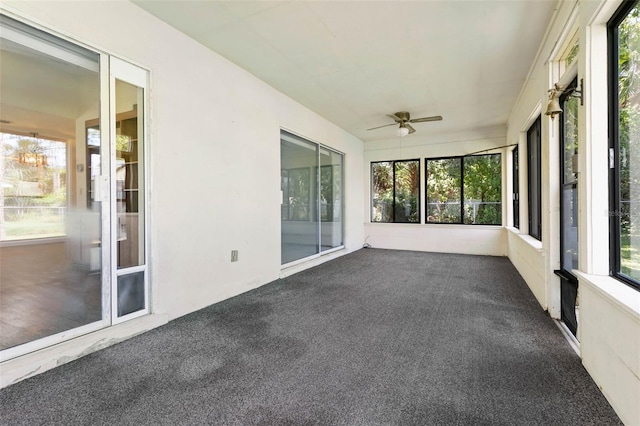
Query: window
(395,189)
(311,209)
(624,63)
(464,190)
(534,180)
(516,188)
(570,53)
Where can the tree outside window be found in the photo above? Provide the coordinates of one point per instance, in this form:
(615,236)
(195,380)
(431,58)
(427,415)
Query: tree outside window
(475,179)
(626,140)
(395,191)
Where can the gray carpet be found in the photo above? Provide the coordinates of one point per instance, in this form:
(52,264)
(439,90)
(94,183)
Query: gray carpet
(376,337)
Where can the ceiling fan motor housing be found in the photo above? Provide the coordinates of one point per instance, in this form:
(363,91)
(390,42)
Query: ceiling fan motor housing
(403,115)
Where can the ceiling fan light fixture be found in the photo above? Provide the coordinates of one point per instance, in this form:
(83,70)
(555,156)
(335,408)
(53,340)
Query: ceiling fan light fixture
(403,119)
(402,131)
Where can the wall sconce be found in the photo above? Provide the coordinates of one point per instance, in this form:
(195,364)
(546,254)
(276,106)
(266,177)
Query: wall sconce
(553,107)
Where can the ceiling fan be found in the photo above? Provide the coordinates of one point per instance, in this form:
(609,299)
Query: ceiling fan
(403,118)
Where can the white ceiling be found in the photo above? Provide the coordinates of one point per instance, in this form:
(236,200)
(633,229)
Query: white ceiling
(353,62)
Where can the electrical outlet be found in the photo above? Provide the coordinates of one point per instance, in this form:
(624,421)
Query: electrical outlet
(234,255)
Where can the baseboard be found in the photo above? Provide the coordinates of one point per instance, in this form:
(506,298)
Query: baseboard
(568,335)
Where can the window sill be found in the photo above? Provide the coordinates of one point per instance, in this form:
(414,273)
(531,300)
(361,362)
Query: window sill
(616,292)
(528,239)
(436,225)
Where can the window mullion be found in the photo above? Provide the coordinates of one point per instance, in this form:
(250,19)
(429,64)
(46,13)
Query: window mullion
(462,190)
(393,199)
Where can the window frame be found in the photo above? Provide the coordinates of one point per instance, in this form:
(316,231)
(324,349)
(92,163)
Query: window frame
(534,159)
(393,207)
(614,143)
(515,178)
(462,198)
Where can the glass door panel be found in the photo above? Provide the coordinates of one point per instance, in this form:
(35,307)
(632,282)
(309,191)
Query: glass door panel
(299,183)
(128,152)
(128,186)
(570,228)
(50,223)
(569,255)
(330,199)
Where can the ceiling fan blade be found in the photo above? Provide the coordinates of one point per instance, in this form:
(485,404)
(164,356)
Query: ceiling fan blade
(386,125)
(423,119)
(411,129)
(395,117)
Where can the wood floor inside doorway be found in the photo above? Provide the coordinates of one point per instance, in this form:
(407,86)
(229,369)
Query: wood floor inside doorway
(42,292)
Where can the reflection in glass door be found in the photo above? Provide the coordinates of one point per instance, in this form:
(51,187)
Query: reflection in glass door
(50,223)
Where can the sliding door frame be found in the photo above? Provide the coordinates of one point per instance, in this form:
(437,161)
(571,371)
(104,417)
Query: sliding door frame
(317,201)
(110,68)
(136,76)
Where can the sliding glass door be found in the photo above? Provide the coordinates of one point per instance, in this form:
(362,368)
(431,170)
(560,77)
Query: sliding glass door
(312,201)
(50,228)
(72,205)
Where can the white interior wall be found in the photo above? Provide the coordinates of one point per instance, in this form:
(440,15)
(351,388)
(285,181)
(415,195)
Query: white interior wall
(609,323)
(444,238)
(214,151)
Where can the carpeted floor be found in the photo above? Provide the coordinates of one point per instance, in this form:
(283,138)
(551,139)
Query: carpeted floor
(376,337)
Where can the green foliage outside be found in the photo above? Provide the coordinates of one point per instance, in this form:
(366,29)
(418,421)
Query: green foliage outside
(382,183)
(629,143)
(443,190)
(483,183)
(407,191)
(299,186)
(404,206)
(330,188)
(298,192)
(480,178)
